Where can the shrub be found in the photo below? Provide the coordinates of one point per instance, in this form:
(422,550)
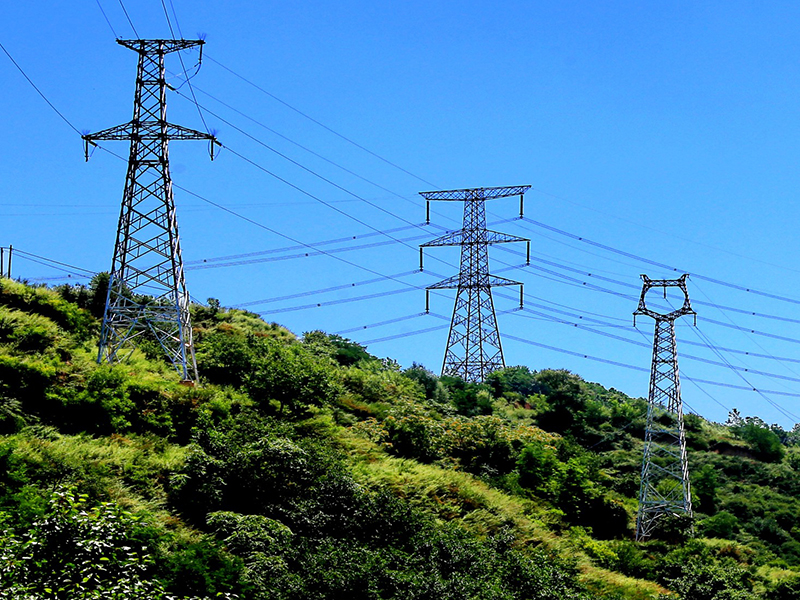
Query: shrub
(764,443)
(79,550)
(722,525)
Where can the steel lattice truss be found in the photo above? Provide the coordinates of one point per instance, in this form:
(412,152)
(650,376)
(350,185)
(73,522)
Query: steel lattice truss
(473,346)
(665,488)
(147,297)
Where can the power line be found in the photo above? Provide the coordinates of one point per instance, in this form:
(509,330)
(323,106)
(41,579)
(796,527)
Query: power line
(580,283)
(662,265)
(47,264)
(640,225)
(397,336)
(127,16)
(307,169)
(23,252)
(198,196)
(262,259)
(188,79)
(305,148)
(644,370)
(340,301)
(629,285)
(725,363)
(38,91)
(283,235)
(320,291)
(380,323)
(326,203)
(737,372)
(175,14)
(313,120)
(116,37)
(296,247)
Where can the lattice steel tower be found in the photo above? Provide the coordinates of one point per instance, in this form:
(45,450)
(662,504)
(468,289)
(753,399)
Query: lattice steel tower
(147,295)
(665,488)
(473,346)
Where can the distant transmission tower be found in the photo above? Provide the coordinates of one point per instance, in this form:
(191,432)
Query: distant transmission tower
(473,347)
(147,295)
(665,488)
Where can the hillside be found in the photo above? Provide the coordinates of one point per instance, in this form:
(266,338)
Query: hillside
(304,467)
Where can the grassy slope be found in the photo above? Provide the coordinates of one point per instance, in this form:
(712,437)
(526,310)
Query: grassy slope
(46,342)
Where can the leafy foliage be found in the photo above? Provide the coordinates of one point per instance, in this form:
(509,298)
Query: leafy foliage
(309,468)
(79,551)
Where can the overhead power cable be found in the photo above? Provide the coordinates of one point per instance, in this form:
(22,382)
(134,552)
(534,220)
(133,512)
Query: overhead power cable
(339,301)
(188,78)
(305,148)
(737,372)
(313,120)
(326,203)
(558,265)
(630,298)
(50,260)
(110,26)
(380,323)
(38,91)
(307,169)
(127,16)
(47,264)
(288,237)
(175,15)
(620,338)
(334,288)
(198,196)
(645,370)
(662,265)
(642,226)
(604,321)
(264,259)
(327,242)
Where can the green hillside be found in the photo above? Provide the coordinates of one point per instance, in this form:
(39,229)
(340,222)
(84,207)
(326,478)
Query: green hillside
(306,468)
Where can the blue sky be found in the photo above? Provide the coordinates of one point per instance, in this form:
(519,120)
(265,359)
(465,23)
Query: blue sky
(667,131)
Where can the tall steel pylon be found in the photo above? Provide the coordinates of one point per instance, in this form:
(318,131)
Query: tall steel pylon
(665,488)
(473,346)
(147,295)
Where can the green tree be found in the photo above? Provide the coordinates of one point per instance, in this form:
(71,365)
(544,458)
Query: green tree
(698,580)
(786,589)
(79,551)
(764,443)
(536,466)
(705,482)
(722,525)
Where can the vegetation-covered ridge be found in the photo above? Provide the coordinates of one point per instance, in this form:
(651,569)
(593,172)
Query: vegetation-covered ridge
(305,468)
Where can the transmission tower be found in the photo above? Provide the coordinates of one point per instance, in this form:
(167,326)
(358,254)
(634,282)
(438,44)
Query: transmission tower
(147,295)
(473,346)
(665,488)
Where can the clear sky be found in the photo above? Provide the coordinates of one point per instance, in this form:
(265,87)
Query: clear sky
(668,131)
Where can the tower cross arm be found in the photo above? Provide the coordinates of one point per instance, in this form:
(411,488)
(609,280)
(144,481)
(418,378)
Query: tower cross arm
(457,282)
(495,281)
(495,237)
(476,193)
(446,284)
(459,238)
(148,130)
(648,284)
(160,46)
(454,238)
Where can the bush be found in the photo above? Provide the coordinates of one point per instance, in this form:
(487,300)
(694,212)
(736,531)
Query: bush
(764,443)
(49,304)
(722,525)
(698,580)
(26,332)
